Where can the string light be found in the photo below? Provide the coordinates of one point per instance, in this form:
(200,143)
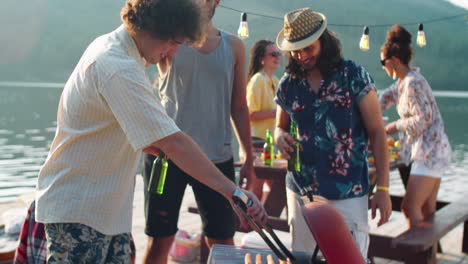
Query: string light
(421,39)
(364,43)
(243,31)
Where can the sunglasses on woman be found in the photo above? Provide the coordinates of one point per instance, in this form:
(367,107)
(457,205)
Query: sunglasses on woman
(275,54)
(383,61)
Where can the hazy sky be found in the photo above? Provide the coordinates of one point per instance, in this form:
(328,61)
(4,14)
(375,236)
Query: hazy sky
(460,3)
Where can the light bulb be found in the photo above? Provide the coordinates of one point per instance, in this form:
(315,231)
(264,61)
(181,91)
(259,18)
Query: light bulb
(364,43)
(421,39)
(243,31)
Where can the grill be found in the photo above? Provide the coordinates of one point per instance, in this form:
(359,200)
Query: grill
(225,254)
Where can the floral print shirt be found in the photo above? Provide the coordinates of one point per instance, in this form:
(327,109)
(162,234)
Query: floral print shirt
(421,127)
(331,132)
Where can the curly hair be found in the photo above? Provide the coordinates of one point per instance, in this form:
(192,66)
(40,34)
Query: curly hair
(164,19)
(329,59)
(256,54)
(398,44)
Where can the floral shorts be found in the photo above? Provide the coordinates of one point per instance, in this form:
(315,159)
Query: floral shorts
(78,243)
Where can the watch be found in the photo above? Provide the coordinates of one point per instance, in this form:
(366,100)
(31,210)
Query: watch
(241,199)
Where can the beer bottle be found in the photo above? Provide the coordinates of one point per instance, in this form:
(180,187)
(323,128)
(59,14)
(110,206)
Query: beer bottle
(268,149)
(158,174)
(294,163)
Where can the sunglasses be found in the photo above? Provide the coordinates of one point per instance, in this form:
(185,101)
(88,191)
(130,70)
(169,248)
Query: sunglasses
(383,61)
(275,54)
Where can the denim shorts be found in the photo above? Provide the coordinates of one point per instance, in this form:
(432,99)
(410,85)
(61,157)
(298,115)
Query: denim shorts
(78,243)
(162,211)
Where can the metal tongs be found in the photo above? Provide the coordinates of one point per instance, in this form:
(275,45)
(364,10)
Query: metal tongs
(242,202)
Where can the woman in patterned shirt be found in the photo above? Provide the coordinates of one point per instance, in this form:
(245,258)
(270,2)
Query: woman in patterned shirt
(421,128)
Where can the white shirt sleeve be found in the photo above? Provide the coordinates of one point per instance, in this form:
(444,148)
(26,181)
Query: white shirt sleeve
(136,108)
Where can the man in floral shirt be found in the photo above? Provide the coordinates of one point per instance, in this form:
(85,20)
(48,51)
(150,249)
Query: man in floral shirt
(335,105)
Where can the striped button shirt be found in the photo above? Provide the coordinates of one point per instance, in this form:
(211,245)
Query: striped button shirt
(107,113)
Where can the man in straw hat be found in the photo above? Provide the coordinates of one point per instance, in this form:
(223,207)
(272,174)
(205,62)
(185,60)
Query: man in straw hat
(335,105)
(107,116)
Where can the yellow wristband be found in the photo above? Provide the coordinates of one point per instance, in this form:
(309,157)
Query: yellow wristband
(382,188)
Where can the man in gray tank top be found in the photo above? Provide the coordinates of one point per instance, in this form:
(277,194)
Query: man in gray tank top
(202,89)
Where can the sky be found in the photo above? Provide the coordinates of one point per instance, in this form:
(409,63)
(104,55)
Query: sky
(460,3)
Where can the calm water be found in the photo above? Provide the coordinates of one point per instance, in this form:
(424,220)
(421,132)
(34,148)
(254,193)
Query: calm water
(27,126)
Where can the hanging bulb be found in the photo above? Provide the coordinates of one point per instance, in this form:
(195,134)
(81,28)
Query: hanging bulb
(243,31)
(421,39)
(364,43)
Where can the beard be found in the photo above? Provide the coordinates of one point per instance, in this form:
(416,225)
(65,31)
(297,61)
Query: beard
(310,64)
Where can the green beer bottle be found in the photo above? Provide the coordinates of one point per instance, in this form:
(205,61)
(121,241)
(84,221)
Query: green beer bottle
(268,149)
(294,163)
(158,174)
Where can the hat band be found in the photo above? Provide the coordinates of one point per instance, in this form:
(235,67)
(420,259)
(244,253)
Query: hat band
(312,31)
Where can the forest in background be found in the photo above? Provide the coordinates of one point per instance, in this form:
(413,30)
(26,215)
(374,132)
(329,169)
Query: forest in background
(43,40)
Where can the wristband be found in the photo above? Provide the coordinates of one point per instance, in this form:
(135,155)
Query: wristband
(240,198)
(382,188)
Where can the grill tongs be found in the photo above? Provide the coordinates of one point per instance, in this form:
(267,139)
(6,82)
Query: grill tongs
(242,202)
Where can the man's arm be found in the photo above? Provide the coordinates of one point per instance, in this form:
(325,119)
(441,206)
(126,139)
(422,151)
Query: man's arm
(188,156)
(372,117)
(240,115)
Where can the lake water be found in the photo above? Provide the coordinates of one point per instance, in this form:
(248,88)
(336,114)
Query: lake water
(27,127)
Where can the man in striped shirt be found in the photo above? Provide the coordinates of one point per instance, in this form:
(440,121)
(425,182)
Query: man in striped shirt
(108,115)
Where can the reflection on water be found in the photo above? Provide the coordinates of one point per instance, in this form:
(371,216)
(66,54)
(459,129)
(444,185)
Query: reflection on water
(21,156)
(27,126)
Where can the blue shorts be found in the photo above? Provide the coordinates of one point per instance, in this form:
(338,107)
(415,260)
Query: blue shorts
(162,211)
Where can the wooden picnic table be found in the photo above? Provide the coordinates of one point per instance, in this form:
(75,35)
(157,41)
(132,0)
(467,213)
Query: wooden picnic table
(278,171)
(275,200)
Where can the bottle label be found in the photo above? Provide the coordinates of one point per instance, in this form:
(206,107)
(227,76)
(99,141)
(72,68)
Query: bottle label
(267,157)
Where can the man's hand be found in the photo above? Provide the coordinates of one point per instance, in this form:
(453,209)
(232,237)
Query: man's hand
(256,210)
(285,144)
(253,184)
(381,200)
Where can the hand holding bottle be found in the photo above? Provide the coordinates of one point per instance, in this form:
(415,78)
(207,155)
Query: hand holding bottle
(285,144)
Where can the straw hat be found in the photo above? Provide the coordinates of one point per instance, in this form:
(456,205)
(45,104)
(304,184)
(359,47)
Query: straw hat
(302,27)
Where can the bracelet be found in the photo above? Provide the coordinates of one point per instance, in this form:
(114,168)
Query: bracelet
(382,188)
(239,196)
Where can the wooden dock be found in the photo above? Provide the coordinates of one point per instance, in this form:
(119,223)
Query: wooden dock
(451,243)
